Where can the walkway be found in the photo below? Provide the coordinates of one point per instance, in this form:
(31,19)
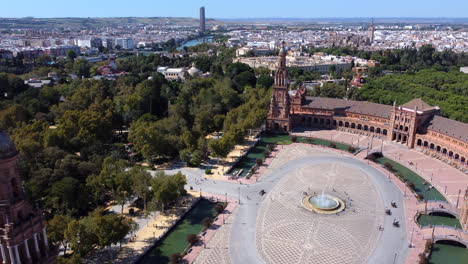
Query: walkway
(242,242)
(448,180)
(434,171)
(155,228)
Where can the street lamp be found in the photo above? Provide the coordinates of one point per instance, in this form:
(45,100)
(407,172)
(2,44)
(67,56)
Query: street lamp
(411,240)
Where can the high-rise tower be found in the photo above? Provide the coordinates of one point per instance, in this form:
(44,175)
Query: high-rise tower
(23,236)
(202,19)
(370,33)
(278,116)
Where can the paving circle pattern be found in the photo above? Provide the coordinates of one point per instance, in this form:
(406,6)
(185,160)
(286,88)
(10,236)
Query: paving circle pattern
(289,233)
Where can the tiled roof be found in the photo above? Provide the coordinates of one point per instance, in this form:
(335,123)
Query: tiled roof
(419,103)
(449,127)
(359,107)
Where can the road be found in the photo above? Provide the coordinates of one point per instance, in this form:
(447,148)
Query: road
(392,246)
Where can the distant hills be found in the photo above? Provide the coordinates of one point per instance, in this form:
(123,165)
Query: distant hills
(95,22)
(90,22)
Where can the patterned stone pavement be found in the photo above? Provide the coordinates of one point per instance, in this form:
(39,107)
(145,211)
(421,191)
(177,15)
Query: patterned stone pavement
(288,233)
(217,250)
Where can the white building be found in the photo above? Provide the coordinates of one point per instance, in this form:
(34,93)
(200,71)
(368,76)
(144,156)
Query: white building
(84,43)
(173,74)
(125,43)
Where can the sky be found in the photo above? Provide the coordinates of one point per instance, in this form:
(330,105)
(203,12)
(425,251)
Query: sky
(235,8)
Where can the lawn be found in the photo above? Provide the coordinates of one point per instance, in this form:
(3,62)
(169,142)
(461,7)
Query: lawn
(176,240)
(448,254)
(409,175)
(425,220)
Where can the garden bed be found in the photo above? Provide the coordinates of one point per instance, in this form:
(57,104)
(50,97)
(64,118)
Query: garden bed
(176,240)
(413,180)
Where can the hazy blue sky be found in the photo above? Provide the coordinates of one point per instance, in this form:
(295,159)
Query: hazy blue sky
(235,8)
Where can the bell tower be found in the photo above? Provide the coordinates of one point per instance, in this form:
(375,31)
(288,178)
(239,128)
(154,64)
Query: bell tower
(278,118)
(23,236)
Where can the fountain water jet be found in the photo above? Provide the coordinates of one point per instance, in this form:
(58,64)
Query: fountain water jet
(323,203)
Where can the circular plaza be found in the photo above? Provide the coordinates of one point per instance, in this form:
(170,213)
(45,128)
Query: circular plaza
(289,233)
(278,228)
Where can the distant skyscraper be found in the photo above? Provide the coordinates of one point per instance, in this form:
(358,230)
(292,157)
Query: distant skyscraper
(202,19)
(370,33)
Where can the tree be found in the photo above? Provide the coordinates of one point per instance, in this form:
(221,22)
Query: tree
(81,240)
(109,229)
(67,196)
(113,180)
(141,180)
(71,55)
(56,228)
(330,90)
(192,239)
(219,207)
(12,116)
(259,162)
(81,68)
(176,257)
(207,222)
(265,81)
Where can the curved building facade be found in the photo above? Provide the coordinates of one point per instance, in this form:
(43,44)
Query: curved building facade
(415,124)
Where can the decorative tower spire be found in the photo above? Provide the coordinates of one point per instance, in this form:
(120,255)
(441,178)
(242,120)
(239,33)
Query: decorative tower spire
(281,75)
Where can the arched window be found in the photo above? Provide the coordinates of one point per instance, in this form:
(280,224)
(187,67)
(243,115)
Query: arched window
(462,159)
(340,123)
(359,126)
(426,144)
(444,151)
(406,129)
(438,148)
(14,187)
(385,132)
(457,156)
(419,143)
(450,153)
(431,146)
(401,127)
(366,128)
(404,139)
(372,129)
(353,125)
(378,130)
(346,124)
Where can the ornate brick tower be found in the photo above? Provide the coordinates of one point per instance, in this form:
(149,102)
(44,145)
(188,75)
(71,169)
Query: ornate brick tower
(407,119)
(23,236)
(278,118)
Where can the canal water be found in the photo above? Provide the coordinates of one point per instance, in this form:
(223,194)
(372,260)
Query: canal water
(194,42)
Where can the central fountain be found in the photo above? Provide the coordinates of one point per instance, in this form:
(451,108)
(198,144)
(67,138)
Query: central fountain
(323,203)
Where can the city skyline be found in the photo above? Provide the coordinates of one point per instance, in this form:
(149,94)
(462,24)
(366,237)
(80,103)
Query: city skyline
(241,9)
